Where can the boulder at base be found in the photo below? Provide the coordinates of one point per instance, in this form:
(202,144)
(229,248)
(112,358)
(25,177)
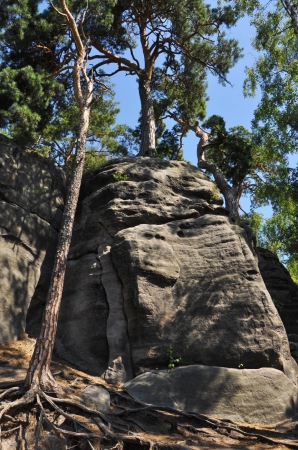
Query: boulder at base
(98,397)
(260,396)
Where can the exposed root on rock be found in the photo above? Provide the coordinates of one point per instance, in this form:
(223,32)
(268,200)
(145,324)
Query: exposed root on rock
(41,421)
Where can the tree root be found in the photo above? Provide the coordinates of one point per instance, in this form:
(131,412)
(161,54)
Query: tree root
(26,399)
(116,429)
(217,424)
(8,391)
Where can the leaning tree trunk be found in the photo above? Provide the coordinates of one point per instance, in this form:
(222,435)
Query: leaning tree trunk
(39,374)
(224,187)
(147,118)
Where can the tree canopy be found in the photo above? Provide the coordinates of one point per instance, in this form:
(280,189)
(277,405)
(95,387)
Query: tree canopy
(179,30)
(275,123)
(170,47)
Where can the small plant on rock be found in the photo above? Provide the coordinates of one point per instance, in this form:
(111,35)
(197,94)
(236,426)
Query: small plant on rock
(172,361)
(215,194)
(118,176)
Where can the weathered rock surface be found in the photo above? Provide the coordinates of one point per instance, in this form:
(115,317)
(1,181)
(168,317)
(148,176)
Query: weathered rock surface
(194,284)
(263,396)
(155,262)
(31,198)
(281,287)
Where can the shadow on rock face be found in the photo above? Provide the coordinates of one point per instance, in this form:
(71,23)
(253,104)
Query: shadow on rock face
(31,196)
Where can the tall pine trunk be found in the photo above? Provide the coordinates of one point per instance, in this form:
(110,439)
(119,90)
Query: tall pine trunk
(147,118)
(39,374)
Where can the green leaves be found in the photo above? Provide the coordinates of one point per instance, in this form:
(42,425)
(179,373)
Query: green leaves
(233,151)
(275,127)
(276,73)
(25,102)
(172,362)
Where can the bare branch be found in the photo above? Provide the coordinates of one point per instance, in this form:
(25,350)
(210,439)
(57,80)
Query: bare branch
(56,9)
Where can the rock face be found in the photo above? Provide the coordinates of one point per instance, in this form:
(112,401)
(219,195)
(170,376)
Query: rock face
(263,396)
(31,198)
(156,262)
(283,291)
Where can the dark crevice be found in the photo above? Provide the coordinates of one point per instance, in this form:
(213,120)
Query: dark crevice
(17,241)
(125,315)
(4,199)
(83,254)
(108,308)
(100,223)
(4,228)
(165,221)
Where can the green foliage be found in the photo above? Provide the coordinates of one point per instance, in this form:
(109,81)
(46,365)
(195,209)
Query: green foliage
(256,220)
(93,159)
(276,74)
(292,266)
(172,362)
(180,86)
(34,40)
(279,233)
(37,109)
(118,176)
(232,150)
(27,95)
(215,193)
(25,102)
(245,164)
(168,146)
(275,126)
(105,138)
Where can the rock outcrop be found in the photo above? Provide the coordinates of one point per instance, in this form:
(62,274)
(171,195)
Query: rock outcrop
(154,262)
(31,202)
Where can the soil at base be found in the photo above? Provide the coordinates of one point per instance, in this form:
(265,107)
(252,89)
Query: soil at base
(167,430)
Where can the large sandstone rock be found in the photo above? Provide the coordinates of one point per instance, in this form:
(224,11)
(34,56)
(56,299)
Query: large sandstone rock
(281,287)
(31,198)
(195,285)
(263,396)
(156,262)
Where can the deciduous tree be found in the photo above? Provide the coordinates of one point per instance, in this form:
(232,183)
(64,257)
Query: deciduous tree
(275,121)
